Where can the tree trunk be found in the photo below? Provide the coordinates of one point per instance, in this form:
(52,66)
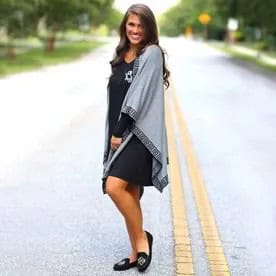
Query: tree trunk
(50,46)
(11,52)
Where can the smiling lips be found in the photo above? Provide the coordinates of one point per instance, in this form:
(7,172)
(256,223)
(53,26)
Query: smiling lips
(135,37)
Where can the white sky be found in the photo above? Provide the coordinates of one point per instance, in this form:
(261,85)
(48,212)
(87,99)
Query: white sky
(157,6)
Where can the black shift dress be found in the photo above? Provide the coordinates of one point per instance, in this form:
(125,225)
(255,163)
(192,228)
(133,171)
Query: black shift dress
(134,163)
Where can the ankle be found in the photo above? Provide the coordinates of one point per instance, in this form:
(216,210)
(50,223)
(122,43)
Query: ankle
(132,256)
(142,243)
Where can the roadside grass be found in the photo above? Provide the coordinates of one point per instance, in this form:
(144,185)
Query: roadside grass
(256,45)
(37,57)
(243,57)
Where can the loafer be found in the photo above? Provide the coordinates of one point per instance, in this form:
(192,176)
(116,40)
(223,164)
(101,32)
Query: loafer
(143,259)
(124,264)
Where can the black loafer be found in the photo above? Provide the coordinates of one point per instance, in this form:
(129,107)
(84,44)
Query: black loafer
(143,259)
(124,264)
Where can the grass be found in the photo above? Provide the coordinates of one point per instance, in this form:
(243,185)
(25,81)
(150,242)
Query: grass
(37,58)
(244,57)
(255,46)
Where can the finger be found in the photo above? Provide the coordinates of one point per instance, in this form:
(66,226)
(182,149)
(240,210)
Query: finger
(114,147)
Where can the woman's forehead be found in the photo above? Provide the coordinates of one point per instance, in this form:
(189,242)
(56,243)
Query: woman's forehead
(134,18)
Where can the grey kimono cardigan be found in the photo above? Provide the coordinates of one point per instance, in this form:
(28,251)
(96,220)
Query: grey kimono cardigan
(144,102)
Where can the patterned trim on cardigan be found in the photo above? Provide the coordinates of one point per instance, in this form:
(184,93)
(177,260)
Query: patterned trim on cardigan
(130,111)
(147,142)
(135,67)
(159,184)
(105,156)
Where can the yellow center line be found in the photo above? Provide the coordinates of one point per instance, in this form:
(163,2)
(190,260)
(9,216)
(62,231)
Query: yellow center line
(213,247)
(183,252)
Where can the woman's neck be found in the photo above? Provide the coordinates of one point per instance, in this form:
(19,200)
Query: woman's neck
(131,53)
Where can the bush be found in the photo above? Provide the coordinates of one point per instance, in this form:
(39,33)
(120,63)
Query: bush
(262,45)
(239,36)
(216,33)
(271,42)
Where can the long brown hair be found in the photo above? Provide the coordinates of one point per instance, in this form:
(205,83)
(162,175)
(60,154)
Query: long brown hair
(151,37)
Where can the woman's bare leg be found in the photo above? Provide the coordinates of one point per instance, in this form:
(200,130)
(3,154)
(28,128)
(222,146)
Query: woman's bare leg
(134,190)
(129,207)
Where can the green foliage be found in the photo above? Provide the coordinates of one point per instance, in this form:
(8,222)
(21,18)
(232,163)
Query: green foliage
(173,21)
(21,17)
(185,14)
(114,19)
(99,11)
(65,14)
(254,14)
(18,17)
(239,36)
(257,20)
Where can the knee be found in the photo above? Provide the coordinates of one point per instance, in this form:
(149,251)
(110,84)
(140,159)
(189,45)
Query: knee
(112,189)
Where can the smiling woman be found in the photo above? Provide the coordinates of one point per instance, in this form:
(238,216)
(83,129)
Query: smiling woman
(136,141)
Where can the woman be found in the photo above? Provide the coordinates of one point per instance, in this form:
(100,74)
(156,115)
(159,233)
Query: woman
(136,141)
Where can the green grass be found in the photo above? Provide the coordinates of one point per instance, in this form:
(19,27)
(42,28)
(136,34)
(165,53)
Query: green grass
(244,57)
(255,46)
(37,58)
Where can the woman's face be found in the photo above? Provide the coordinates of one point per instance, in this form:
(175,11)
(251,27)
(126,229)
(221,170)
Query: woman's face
(134,30)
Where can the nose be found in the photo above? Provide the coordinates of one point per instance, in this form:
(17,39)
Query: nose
(136,29)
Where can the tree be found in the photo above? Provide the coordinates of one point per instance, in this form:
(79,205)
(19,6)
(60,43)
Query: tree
(18,18)
(113,20)
(64,14)
(185,14)
(21,17)
(252,14)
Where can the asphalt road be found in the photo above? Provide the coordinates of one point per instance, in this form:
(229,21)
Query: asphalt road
(230,111)
(54,219)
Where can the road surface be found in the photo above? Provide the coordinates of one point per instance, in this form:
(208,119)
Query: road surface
(54,219)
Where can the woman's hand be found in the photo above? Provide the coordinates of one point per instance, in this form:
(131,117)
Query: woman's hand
(115,142)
